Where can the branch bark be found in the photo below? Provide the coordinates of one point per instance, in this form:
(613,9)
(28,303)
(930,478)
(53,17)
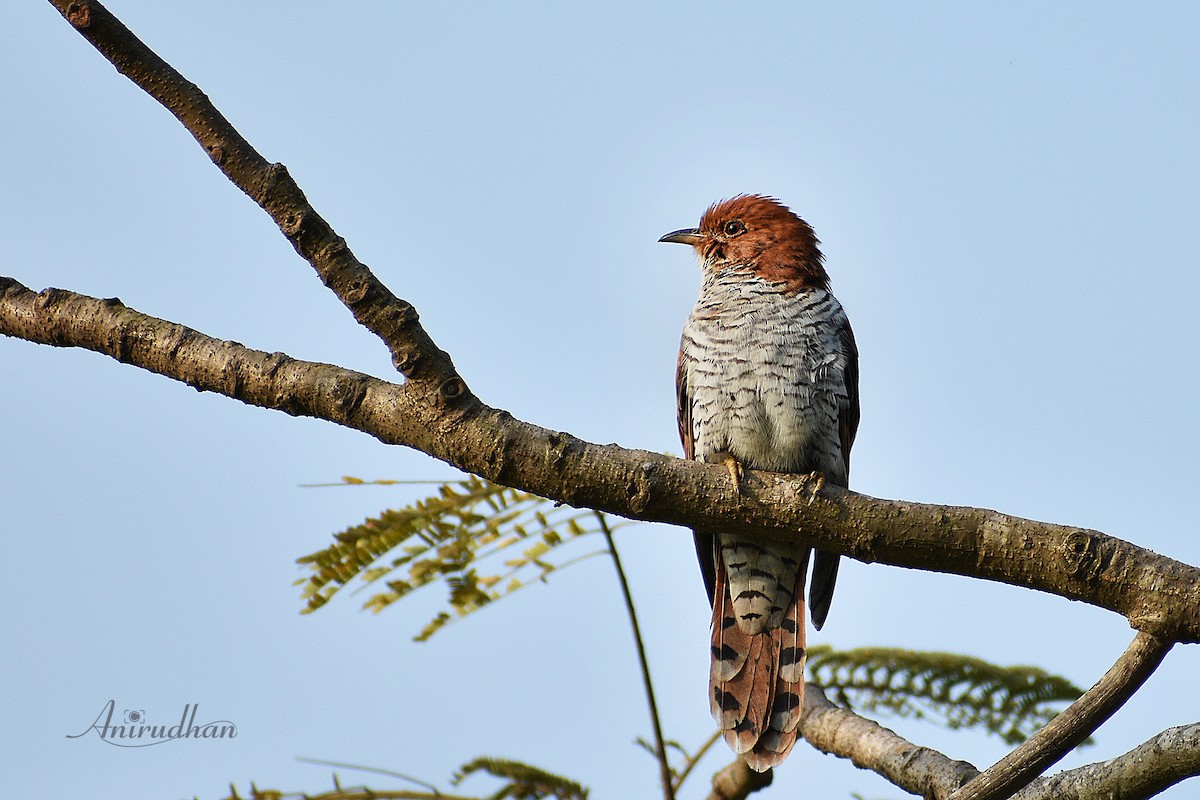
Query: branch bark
(919,770)
(1157,764)
(1150,768)
(269,185)
(1070,728)
(1157,594)
(736,781)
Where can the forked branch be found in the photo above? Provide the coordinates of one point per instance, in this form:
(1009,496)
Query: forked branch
(442,418)
(1157,764)
(1153,766)
(1160,594)
(1069,729)
(374,306)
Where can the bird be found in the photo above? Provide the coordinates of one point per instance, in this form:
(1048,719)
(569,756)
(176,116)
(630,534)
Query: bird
(767,379)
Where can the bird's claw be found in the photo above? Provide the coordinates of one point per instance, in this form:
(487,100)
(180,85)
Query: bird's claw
(734,467)
(813,482)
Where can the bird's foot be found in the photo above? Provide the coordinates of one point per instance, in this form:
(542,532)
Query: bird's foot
(736,474)
(811,485)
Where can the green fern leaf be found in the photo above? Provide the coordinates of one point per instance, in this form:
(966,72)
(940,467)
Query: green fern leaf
(446,538)
(523,782)
(960,691)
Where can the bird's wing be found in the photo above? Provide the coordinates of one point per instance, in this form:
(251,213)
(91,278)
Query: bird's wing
(848,413)
(683,410)
(825,565)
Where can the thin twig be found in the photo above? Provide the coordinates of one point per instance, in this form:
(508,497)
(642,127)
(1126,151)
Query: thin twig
(380,482)
(660,746)
(1066,731)
(694,760)
(365,793)
(361,768)
(270,186)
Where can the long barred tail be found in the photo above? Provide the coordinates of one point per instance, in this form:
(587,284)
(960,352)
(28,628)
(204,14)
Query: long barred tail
(757,678)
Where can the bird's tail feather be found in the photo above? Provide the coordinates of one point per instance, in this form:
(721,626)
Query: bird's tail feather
(757,679)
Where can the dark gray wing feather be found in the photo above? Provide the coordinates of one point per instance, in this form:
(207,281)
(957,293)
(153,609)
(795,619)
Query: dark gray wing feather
(825,565)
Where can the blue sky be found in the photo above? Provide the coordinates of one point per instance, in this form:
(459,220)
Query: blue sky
(1007,199)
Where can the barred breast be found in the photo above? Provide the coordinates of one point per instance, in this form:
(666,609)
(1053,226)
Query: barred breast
(764,374)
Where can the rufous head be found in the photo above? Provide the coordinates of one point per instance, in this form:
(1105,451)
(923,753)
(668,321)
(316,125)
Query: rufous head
(760,234)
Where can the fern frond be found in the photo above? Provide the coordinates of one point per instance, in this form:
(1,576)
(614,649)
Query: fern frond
(524,782)
(959,691)
(482,540)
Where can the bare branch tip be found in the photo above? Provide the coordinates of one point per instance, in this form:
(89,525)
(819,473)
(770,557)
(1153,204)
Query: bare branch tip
(79,14)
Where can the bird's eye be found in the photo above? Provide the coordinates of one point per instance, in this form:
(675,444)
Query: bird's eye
(734,227)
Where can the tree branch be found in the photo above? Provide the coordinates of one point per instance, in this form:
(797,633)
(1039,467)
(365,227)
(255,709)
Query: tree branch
(1157,594)
(1070,728)
(1150,768)
(736,781)
(374,306)
(918,770)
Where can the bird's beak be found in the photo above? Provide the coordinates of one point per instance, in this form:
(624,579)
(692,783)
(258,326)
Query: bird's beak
(690,236)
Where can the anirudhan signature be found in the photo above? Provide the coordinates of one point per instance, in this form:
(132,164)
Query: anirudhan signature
(134,731)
